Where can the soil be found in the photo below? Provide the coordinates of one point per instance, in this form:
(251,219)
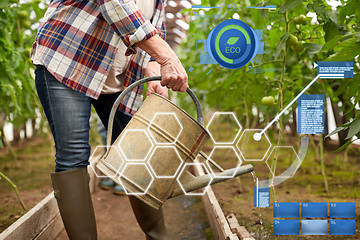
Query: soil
(307,185)
(184,216)
(30,171)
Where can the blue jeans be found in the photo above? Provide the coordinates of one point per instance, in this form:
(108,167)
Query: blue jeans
(68,114)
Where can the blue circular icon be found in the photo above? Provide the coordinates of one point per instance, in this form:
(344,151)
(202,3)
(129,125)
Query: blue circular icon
(232,43)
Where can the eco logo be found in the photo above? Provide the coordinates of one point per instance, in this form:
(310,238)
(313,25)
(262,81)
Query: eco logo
(232,43)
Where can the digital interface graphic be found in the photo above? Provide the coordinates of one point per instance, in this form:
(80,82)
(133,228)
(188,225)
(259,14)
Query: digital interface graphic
(264,144)
(232,44)
(311,115)
(310,226)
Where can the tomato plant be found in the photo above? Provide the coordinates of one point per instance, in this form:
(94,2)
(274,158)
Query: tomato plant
(294,42)
(18,98)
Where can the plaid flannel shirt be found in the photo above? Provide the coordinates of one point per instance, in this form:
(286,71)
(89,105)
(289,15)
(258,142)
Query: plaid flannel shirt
(77,42)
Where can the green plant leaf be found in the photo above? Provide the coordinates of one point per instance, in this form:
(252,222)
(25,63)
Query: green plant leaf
(232,40)
(348,9)
(347,124)
(280,45)
(343,146)
(5,3)
(347,51)
(331,30)
(320,9)
(357,37)
(332,43)
(338,129)
(313,47)
(289,4)
(354,129)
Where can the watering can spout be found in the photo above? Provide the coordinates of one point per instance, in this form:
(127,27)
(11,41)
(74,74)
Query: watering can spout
(193,183)
(161,121)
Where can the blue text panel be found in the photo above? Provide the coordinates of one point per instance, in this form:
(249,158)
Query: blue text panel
(314,210)
(314,227)
(286,227)
(342,210)
(286,210)
(342,227)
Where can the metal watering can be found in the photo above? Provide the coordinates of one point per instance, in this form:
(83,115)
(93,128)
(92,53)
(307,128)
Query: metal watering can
(178,138)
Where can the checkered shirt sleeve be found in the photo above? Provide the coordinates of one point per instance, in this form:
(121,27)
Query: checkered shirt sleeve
(78,39)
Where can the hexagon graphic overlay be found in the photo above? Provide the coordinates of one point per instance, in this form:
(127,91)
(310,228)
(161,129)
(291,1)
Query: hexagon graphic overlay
(280,159)
(250,149)
(226,157)
(165,161)
(135,144)
(165,128)
(98,153)
(139,174)
(181,179)
(224,127)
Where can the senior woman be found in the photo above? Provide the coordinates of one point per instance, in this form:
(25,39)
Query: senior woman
(74,52)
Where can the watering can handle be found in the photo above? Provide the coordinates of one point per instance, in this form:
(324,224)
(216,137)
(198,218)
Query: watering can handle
(116,104)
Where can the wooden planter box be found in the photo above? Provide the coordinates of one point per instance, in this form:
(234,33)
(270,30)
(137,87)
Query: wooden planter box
(44,222)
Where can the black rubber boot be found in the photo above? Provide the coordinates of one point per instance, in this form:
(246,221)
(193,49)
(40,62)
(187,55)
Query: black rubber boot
(150,220)
(72,192)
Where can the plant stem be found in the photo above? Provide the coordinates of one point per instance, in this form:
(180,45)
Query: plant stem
(282,76)
(283,68)
(246,111)
(321,149)
(14,188)
(321,144)
(346,156)
(314,145)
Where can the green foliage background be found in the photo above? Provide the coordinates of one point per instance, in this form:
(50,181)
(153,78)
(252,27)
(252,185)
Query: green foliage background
(335,37)
(18,97)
